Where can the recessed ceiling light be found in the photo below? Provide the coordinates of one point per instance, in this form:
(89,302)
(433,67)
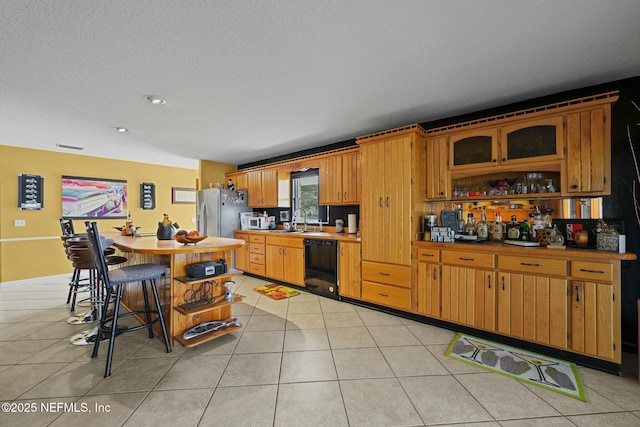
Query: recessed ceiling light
(155,100)
(70,147)
(120,130)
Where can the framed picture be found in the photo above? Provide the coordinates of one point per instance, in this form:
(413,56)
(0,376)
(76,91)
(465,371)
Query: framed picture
(84,197)
(147,195)
(30,192)
(183,195)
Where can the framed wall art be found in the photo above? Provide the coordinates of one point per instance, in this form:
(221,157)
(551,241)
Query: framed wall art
(84,197)
(30,192)
(147,195)
(183,195)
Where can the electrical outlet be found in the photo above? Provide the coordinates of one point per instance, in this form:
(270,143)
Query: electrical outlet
(18,223)
(193,219)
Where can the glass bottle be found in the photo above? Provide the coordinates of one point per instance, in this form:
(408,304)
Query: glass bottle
(525,231)
(497,233)
(483,227)
(513,229)
(460,223)
(537,224)
(470,226)
(555,237)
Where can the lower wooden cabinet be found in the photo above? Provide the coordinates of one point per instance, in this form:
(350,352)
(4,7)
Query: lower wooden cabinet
(285,259)
(257,257)
(241,255)
(387,284)
(561,302)
(349,275)
(534,308)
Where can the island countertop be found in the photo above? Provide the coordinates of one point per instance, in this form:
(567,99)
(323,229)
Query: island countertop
(151,245)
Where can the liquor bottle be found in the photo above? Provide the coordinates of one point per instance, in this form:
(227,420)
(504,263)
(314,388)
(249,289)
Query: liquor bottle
(537,224)
(482,227)
(497,233)
(470,226)
(460,221)
(525,232)
(513,229)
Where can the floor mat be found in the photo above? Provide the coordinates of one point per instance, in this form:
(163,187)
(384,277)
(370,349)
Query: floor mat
(277,292)
(543,371)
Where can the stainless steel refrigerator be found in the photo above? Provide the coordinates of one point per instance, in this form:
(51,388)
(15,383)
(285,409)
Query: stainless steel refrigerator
(218,211)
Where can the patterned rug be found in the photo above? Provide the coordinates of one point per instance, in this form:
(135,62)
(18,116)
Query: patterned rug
(542,371)
(277,292)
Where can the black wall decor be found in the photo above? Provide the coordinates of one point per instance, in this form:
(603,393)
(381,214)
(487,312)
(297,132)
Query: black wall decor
(30,192)
(147,195)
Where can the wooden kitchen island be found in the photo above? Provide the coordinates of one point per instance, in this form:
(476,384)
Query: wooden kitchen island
(176,290)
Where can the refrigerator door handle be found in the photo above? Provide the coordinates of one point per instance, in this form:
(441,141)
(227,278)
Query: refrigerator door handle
(203,218)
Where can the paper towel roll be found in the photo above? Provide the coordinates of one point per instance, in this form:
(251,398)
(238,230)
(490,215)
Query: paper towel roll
(352,226)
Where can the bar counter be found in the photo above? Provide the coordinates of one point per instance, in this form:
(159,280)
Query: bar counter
(174,288)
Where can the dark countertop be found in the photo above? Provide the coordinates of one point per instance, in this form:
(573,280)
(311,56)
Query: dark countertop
(329,233)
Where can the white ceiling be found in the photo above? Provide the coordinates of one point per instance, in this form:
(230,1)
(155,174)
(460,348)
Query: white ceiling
(252,79)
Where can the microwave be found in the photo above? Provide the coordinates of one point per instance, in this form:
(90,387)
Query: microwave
(250,222)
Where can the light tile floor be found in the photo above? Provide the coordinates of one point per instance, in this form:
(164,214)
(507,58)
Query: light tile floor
(306,361)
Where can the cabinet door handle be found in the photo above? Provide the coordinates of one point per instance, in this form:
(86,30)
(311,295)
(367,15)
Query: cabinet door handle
(504,159)
(344,197)
(380,202)
(435,277)
(466,259)
(431,255)
(383,295)
(494,160)
(387,201)
(383,274)
(592,271)
(489,280)
(578,293)
(530,264)
(503,283)
(342,251)
(338,196)
(574,186)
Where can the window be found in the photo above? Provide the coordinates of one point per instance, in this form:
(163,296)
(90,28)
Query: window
(304,194)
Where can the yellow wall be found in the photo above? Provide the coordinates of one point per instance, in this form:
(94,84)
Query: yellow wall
(36,250)
(213,172)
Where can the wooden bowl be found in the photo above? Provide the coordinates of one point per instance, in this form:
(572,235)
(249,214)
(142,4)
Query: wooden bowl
(189,239)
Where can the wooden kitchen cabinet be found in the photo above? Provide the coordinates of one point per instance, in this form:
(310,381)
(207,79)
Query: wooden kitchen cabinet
(468,294)
(239,179)
(387,284)
(473,149)
(532,140)
(340,179)
(594,330)
(438,180)
(426,299)
(285,259)
(349,275)
(391,163)
(588,162)
(241,255)
(533,299)
(257,254)
(262,188)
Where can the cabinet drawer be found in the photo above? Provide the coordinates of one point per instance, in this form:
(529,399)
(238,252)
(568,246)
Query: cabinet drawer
(468,259)
(389,296)
(256,239)
(256,269)
(256,248)
(292,242)
(429,255)
(547,267)
(397,275)
(597,271)
(257,258)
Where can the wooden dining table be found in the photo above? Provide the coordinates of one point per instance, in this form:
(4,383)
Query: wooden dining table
(180,311)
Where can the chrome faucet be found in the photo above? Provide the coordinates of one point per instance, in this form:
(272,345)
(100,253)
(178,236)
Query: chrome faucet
(295,219)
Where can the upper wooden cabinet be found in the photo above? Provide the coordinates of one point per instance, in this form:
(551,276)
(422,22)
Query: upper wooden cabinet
(239,179)
(473,149)
(263,188)
(340,179)
(438,180)
(588,165)
(524,141)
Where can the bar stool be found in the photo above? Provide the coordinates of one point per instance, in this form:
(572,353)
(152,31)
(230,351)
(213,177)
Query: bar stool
(116,279)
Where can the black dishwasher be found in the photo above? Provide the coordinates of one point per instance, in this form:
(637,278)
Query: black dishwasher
(321,267)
